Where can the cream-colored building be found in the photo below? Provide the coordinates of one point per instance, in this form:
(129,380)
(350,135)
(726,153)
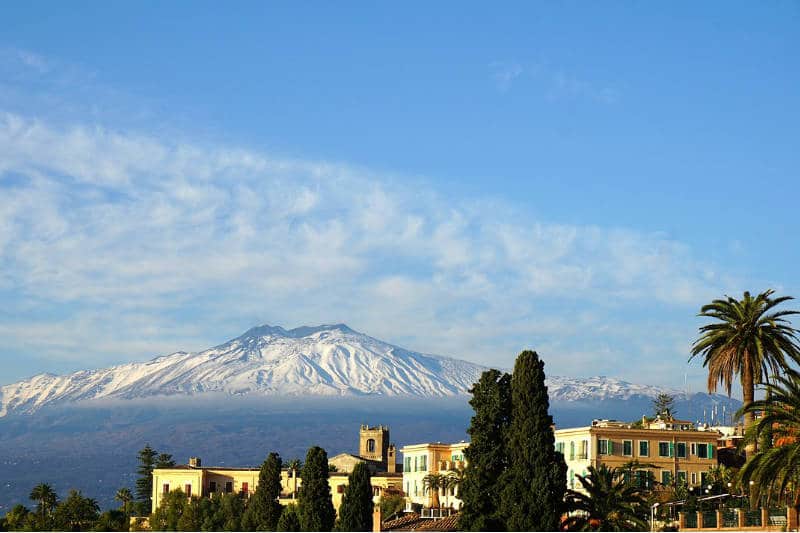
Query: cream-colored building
(419,460)
(203,481)
(674,448)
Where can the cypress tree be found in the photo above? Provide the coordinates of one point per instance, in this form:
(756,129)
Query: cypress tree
(144,484)
(314,499)
(486,456)
(263,509)
(289,520)
(355,513)
(534,487)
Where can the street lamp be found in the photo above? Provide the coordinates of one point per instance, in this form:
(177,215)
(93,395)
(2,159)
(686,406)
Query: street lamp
(653,516)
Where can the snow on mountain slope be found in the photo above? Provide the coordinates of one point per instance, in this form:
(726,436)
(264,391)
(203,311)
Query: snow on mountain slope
(322,360)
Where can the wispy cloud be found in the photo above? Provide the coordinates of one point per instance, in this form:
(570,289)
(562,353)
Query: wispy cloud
(115,243)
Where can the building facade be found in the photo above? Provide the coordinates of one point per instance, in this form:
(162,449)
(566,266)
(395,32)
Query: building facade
(419,460)
(196,480)
(661,451)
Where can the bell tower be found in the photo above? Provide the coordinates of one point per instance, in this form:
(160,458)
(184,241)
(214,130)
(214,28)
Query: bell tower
(374,443)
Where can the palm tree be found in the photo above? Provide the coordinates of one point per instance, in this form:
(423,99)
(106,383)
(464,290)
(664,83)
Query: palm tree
(454,480)
(46,499)
(776,467)
(124,495)
(750,341)
(607,503)
(294,467)
(434,482)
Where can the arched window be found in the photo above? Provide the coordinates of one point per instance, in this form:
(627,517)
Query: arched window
(371,445)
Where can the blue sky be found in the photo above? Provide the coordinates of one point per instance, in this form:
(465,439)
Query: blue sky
(456,178)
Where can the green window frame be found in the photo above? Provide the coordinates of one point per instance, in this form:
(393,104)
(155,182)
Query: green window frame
(602,446)
(663,449)
(666,477)
(682,476)
(644,448)
(407,464)
(627,448)
(702,451)
(680,450)
(572,450)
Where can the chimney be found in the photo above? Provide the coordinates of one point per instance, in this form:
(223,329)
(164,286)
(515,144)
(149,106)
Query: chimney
(376,518)
(194,462)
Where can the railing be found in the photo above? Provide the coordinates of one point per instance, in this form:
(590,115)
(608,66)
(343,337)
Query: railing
(709,519)
(436,513)
(777,516)
(752,518)
(691,520)
(730,518)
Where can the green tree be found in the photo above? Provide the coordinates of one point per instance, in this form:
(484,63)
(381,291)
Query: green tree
(486,456)
(112,520)
(124,496)
(777,467)
(169,511)
(46,501)
(533,494)
(17,518)
(314,503)
(263,509)
(290,519)
(391,504)
(664,406)
(165,460)
(433,483)
(144,484)
(191,519)
(608,504)
(294,466)
(749,340)
(355,513)
(230,512)
(76,512)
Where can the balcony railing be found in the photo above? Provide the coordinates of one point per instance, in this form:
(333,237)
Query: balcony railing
(436,514)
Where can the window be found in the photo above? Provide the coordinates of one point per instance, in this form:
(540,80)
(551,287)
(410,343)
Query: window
(339,489)
(644,448)
(407,464)
(572,450)
(694,478)
(245,488)
(408,488)
(560,447)
(642,479)
(212,486)
(571,479)
(371,445)
(584,450)
(627,447)
(423,463)
(702,451)
(680,450)
(663,449)
(681,476)
(666,477)
(416,488)
(229,486)
(416,464)
(165,488)
(188,490)
(703,478)
(694,448)
(602,446)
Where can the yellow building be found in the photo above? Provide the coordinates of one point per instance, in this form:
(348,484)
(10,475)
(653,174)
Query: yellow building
(203,481)
(419,460)
(674,448)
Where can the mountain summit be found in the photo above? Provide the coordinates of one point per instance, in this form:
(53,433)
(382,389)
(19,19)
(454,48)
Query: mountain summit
(327,360)
(319,360)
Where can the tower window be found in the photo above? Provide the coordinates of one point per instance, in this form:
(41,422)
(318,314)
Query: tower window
(371,445)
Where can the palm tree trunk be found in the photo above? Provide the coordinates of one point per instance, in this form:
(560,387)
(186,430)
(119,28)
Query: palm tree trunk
(748,392)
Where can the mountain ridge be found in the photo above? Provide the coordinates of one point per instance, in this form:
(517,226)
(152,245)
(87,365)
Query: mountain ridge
(324,360)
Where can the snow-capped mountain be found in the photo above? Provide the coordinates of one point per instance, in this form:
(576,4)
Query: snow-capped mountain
(329,360)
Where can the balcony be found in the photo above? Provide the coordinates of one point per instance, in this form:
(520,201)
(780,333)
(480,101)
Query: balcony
(436,514)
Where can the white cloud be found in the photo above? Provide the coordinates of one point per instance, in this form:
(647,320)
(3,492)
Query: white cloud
(155,235)
(504,74)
